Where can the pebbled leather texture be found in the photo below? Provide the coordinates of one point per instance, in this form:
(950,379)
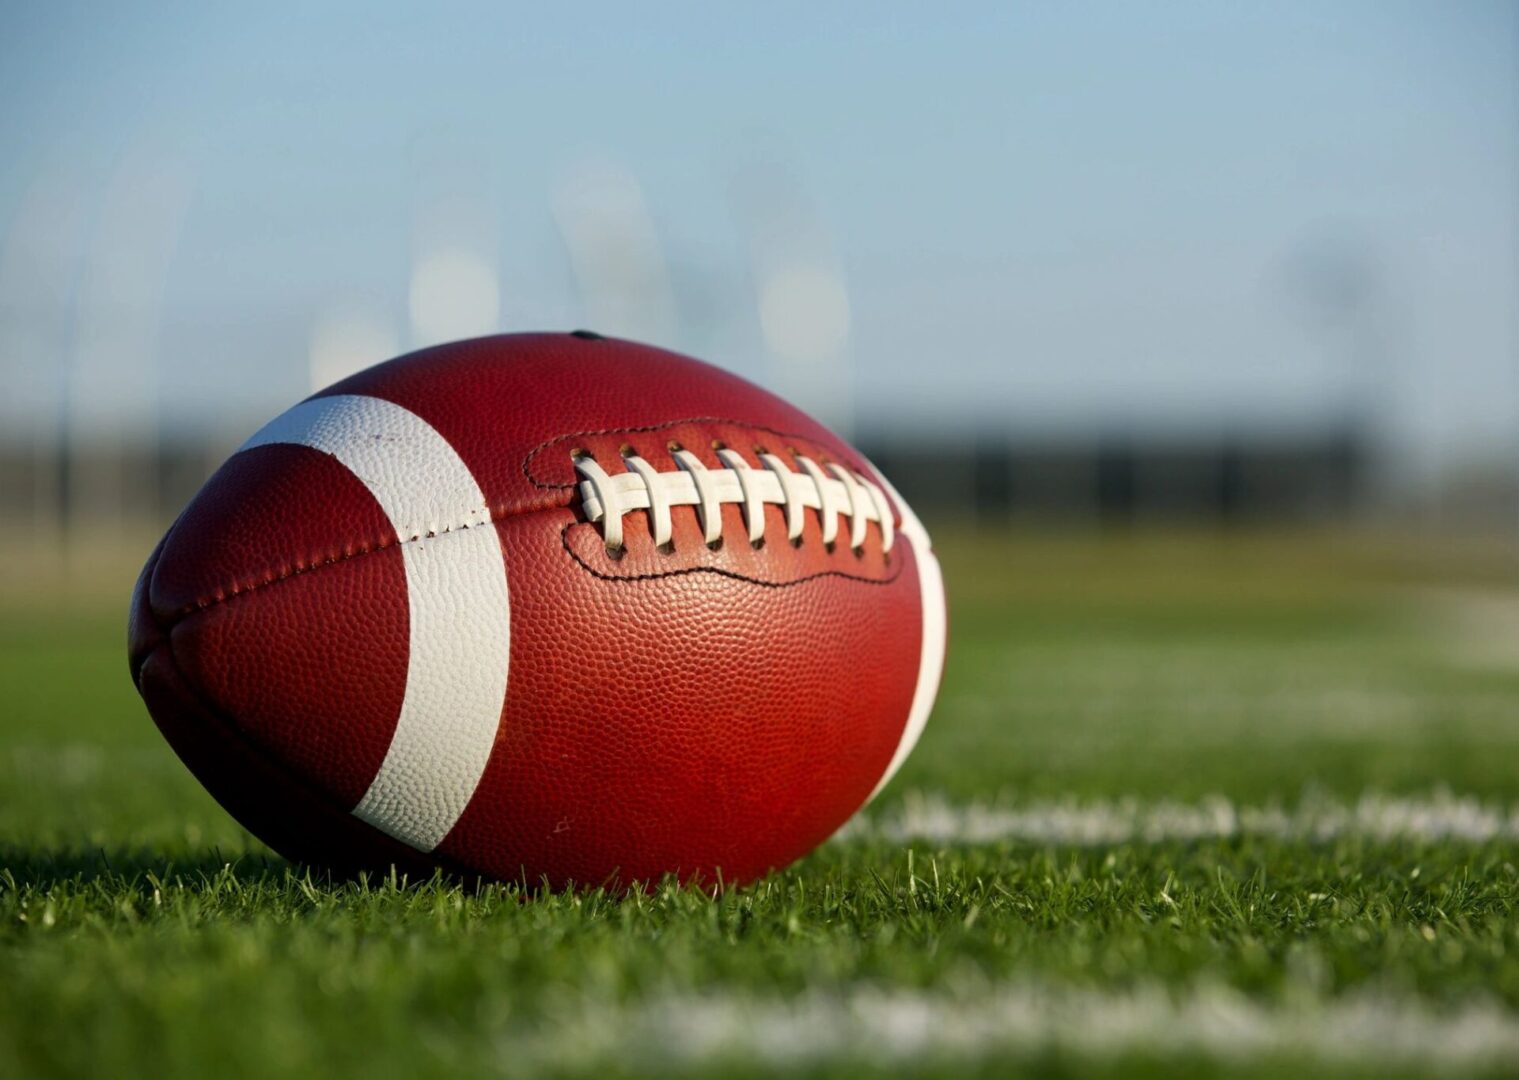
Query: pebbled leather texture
(696,711)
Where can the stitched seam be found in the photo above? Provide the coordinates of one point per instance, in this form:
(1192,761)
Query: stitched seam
(228,593)
(564,540)
(527,462)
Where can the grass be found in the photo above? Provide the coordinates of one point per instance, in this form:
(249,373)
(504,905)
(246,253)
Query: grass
(143,933)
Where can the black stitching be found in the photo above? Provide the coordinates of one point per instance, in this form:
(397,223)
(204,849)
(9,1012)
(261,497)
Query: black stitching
(564,539)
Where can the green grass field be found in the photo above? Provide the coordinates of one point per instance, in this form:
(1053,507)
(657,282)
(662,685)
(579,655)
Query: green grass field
(1189,803)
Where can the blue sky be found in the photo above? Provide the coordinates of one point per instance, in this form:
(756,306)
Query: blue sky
(1062,217)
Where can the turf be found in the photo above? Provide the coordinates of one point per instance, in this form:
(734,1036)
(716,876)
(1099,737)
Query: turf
(143,933)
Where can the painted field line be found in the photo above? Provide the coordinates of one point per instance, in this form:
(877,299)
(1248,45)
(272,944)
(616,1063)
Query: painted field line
(895,1027)
(1436,816)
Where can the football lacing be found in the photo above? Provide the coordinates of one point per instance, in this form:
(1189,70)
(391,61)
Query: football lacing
(832,490)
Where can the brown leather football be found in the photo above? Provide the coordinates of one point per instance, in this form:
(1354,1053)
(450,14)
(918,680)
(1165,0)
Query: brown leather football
(542,607)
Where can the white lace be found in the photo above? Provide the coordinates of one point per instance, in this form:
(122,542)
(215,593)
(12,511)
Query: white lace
(833,493)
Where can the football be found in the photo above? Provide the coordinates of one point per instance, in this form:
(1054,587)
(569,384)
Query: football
(547,608)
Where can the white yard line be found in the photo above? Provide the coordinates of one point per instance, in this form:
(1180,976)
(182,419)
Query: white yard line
(1437,816)
(1477,628)
(1017,1021)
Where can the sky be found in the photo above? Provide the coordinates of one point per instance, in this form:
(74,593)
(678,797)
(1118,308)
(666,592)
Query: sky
(1054,219)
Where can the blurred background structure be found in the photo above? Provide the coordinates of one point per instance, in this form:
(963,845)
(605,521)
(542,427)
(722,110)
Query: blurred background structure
(1208,262)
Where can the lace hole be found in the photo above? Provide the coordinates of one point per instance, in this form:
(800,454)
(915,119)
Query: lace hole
(757,544)
(672,446)
(718,444)
(667,548)
(715,545)
(829,546)
(615,551)
(581,452)
(859,552)
(626,450)
(796,541)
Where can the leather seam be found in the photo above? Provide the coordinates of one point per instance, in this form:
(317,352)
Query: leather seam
(564,540)
(227,593)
